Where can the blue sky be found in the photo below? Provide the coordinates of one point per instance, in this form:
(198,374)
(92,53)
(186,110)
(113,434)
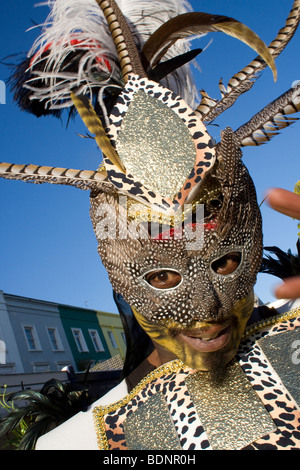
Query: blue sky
(47,245)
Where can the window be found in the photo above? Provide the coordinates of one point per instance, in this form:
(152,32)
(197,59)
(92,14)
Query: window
(54,338)
(79,340)
(2,349)
(41,367)
(8,368)
(123,337)
(31,338)
(112,339)
(96,340)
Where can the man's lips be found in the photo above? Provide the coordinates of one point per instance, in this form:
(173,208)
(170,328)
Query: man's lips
(208,339)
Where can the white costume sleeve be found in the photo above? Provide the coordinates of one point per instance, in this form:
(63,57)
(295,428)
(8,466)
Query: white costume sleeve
(78,433)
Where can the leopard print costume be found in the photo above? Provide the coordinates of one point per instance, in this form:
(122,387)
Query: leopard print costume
(169,385)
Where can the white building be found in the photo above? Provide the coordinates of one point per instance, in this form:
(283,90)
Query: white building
(32,336)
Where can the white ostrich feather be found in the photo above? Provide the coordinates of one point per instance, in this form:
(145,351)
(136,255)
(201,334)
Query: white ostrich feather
(79,25)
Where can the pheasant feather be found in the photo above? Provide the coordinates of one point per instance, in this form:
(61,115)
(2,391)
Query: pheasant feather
(82,179)
(242,81)
(94,125)
(190,24)
(270,120)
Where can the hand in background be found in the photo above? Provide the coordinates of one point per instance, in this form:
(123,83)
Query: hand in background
(287,203)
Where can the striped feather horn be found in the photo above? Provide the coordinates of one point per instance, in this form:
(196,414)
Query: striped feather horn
(82,179)
(270,120)
(209,109)
(122,37)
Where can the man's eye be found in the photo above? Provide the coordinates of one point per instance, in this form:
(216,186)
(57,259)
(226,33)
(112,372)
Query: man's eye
(163,279)
(227,264)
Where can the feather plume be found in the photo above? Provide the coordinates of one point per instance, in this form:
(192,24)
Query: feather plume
(94,125)
(270,120)
(190,24)
(82,179)
(76,53)
(164,68)
(44,410)
(128,54)
(286,265)
(243,81)
(144,18)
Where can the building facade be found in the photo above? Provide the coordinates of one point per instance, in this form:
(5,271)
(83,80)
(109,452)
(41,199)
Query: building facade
(40,336)
(112,328)
(84,335)
(10,359)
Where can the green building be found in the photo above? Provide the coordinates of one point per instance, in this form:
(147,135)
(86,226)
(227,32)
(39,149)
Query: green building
(84,335)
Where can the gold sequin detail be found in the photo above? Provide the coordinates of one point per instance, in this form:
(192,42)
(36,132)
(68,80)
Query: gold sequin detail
(100,411)
(282,351)
(156,146)
(150,426)
(140,213)
(229,409)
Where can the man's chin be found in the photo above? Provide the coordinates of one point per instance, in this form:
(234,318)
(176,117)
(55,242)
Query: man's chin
(215,362)
(209,351)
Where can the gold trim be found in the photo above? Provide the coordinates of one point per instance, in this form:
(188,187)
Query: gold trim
(142,213)
(100,411)
(268,322)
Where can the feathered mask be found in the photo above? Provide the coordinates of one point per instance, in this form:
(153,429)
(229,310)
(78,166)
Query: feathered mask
(124,68)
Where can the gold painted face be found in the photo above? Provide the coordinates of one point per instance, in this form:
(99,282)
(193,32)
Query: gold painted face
(202,345)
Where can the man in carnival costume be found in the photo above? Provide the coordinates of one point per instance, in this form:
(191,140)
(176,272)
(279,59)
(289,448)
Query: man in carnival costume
(178,226)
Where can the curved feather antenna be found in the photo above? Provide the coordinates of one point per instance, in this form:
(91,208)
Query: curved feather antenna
(82,179)
(270,120)
(94,125)
(122,36)
(189,24)
(286,33)
(245,78)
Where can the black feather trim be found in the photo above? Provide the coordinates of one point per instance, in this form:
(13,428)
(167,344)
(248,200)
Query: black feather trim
(286,265)
(164,68)
(22,95)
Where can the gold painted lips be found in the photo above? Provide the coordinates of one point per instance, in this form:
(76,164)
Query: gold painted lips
(208,339)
